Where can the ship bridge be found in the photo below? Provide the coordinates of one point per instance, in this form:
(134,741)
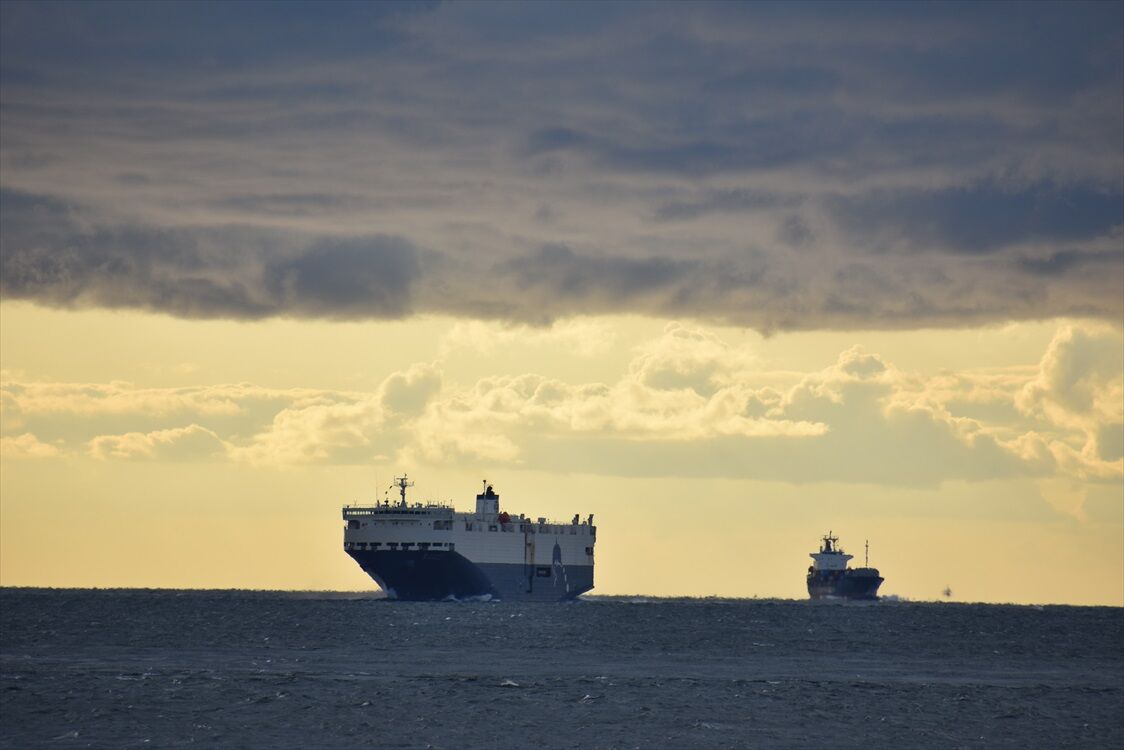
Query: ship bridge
(831,556)
(436,516)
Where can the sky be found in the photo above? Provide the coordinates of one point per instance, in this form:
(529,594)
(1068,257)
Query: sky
(728,276)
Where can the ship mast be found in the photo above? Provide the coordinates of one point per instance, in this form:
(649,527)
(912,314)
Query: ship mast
(402,483)
(866,556)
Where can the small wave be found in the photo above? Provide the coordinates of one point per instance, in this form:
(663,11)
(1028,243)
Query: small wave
(474,598)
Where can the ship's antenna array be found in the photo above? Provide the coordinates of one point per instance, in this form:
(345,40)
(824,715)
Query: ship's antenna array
(402,483)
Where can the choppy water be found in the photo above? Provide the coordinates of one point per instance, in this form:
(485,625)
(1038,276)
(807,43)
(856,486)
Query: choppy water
(275,670)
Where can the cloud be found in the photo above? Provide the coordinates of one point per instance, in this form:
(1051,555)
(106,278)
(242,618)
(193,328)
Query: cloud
(499,418)
(191,443)
(1079,377)
(78,413)
(722,201)
(407,393)
(685,357)
(33,398)
(10,417)
(918,167)
(203,273)
(691,404)
(559,272)
(26,446)
(1065,261)
(585,338)
(1078,392)
(316,432)
(1066,496)
(688,402)
(983,218)
(345,428)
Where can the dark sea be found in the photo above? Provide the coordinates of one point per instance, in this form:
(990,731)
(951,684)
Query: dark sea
(155,669)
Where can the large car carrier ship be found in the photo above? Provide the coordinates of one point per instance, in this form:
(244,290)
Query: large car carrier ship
(427,552)
(829,577)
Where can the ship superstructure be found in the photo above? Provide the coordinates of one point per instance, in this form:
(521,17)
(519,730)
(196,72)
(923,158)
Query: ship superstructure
(427,552)
(829,576)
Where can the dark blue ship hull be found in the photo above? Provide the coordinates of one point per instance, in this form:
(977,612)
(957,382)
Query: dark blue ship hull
(423,575)
(862,583)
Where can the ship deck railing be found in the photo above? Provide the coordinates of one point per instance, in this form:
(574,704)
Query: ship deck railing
(415,509)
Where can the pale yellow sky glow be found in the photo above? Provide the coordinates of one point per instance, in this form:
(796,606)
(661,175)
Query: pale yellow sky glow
(143,450)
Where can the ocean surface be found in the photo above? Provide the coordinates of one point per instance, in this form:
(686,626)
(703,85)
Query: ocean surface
(155,669)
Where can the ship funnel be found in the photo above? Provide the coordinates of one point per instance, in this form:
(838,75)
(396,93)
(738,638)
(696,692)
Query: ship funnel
(487,502)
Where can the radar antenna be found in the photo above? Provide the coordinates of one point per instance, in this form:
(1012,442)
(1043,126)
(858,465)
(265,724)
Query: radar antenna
(402,483)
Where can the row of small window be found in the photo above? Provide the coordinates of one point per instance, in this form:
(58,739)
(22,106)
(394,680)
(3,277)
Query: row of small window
(353,524)
(470,526)
(401,545)
(523,528)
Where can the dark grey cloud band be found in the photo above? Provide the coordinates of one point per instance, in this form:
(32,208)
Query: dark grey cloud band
(775,166)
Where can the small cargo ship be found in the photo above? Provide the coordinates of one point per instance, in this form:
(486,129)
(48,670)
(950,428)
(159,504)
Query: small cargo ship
(431,552)
(830,578)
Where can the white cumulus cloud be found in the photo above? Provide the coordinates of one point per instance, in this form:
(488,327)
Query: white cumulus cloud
(26,446)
